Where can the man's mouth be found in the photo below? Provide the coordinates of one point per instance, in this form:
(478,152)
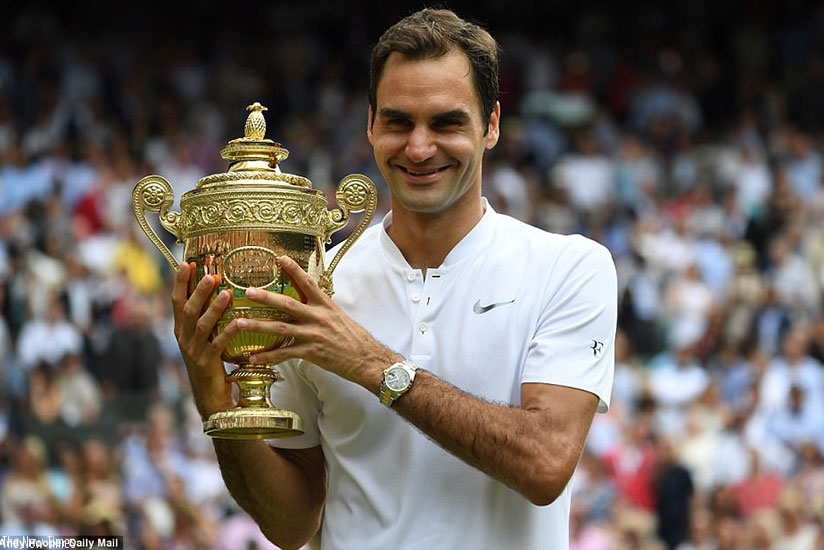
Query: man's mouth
(422,173)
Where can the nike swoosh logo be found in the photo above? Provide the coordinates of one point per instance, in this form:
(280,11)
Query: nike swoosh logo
(478,308)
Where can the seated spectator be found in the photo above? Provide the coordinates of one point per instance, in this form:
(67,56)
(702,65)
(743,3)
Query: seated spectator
(152,458)
(793,278)
(48,339)
(676,383)
(798,422)
(674,491)
(759,490)
(80,394)
(794,367)
(631,464)
(99,478)
(798,530)
(26,503)
(43,397)
(131,360)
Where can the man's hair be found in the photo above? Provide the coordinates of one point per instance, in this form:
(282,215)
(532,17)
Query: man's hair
(433,33)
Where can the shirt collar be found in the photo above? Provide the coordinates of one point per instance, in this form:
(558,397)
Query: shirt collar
(477,239)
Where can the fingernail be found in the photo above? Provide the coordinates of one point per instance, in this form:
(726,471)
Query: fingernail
(285,260)
(252,292)
(242,323)
(253,359)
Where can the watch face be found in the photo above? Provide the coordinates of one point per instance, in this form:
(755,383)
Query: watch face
(397,379)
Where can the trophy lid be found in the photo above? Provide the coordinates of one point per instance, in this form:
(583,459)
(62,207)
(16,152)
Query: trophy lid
(253,158)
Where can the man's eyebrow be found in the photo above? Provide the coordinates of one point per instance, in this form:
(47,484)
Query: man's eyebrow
(453,116)
(386,112)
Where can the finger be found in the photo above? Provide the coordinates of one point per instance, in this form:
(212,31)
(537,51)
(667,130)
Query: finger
(210,317)
(180,293)
(220,341)
(302,281)
(275,300)
(295,350)
(278,355)
(278,328)
(196,303)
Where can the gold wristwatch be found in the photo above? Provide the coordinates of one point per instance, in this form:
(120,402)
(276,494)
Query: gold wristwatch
(397,379)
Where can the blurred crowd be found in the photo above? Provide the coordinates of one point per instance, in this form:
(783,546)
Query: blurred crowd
(692,150)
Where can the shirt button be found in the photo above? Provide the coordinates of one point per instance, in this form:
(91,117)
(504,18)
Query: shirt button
(423,328)
(411,277)
(416,298)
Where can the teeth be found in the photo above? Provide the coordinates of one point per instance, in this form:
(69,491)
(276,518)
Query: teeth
(421,173)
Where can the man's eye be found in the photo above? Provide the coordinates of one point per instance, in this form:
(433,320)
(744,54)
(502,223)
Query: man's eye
(398,123)
(447,124)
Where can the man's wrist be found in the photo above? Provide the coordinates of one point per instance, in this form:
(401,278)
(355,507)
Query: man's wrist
(397,380)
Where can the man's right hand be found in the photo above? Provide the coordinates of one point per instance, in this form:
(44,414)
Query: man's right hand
(195,319)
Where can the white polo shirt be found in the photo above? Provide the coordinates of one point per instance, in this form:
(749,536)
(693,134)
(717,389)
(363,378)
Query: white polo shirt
(510,304)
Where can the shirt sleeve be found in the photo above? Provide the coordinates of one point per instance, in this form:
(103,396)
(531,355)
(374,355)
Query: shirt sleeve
(573,344)
(297,394)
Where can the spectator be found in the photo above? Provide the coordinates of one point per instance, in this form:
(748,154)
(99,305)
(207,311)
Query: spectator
(793,279)
(798,530)
(587,175)
(798,422)
(132,359)
(674,493)
(100,482)
(676,383)
(62,336)
(816,349)
(135,264)
(804,165)
(80,395)
(44,399)
(688,302)
(638,179)
(792,367)
(759,490)
(631,464)
(26,503)
(152,460)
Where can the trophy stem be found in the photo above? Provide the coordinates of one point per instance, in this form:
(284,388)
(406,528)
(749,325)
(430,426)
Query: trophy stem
(255,384)
(254,417)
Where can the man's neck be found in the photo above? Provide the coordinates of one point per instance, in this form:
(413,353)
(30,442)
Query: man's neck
(425,240)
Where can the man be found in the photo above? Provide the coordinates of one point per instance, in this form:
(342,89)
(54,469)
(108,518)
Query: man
(511,330)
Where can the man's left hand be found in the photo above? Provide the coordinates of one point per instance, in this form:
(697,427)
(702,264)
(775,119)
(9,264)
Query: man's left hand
(323,333)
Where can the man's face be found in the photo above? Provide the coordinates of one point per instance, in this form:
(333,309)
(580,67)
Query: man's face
(428,133)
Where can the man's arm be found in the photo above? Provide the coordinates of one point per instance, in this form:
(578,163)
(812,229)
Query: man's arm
(533,449)
(282,490)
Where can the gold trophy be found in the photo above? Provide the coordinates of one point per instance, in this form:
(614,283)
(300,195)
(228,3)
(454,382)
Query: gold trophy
(234,226)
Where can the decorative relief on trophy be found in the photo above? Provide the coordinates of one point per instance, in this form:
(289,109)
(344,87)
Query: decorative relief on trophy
(234,226)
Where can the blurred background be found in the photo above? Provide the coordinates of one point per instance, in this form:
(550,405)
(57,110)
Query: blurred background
(686,137)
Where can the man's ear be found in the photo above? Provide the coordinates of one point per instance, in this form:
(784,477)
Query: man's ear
(493,132)
(369,121)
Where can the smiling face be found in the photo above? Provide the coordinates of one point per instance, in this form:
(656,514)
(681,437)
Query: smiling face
(429,135)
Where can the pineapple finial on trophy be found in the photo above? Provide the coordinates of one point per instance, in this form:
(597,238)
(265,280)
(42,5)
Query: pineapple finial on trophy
(255,127)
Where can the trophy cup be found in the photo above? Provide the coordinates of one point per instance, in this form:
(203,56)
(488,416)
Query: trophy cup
(234,226)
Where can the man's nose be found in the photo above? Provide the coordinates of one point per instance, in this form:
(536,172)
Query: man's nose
(421,145)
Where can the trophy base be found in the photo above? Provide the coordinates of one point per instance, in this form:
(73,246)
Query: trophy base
(252,423)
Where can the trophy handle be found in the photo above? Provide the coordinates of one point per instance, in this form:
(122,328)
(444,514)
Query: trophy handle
(355,193)
(154,194)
